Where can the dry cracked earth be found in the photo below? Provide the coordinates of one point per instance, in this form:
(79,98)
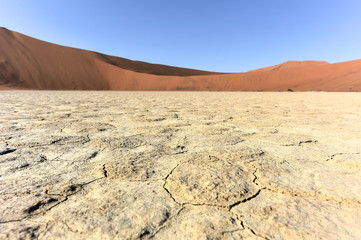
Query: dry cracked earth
(180,165)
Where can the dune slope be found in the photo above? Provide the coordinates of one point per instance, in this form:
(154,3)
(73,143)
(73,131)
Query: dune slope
(28,63)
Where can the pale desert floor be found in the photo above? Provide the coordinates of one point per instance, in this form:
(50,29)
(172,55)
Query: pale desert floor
(180,165)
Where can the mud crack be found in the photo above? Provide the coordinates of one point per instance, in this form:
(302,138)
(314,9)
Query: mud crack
(105,172)
(164,221)
(166,189)
(7,150)
(245,200)
(255,233)
(244,226)
(307,141)
(43,206)
(255,177)
(339,154)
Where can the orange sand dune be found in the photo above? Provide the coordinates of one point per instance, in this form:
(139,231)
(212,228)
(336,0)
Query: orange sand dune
(28,63)
(290,64)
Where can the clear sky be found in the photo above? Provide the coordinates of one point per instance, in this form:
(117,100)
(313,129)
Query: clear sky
(226,36)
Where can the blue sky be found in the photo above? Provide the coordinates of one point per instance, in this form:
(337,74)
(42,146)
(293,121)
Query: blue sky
(225,36)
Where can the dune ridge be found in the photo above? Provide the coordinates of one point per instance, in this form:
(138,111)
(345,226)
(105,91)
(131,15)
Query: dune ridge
(29,63)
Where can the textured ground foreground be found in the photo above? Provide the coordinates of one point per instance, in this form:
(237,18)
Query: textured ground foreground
(180,165)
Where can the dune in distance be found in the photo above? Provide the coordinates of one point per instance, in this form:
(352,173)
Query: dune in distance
(28,63)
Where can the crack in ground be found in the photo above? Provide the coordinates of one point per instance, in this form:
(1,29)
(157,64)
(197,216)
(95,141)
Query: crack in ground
(254,195)
(105,172)
(255,177)
(244,226)
(13,220)
(245,200)
(59,142)
(74,188)
(300,143)
(70,229)
(255,233)
(93,155)
(225,207)
(229,207)
(307,141)
(339,154)
(207,205)
(71,190)
(87,139)
(27,166)
(166,189)
(231,231)
(7,150)
(315,196)
(163,225)
(33,210)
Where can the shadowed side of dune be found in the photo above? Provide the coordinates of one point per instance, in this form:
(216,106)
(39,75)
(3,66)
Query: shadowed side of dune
(155,69)
(28,63)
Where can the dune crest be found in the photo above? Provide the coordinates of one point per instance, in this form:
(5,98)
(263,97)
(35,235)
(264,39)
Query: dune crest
(290,64)
(29,63)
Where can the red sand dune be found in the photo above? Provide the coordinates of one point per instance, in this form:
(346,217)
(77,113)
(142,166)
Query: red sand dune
(28,63)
